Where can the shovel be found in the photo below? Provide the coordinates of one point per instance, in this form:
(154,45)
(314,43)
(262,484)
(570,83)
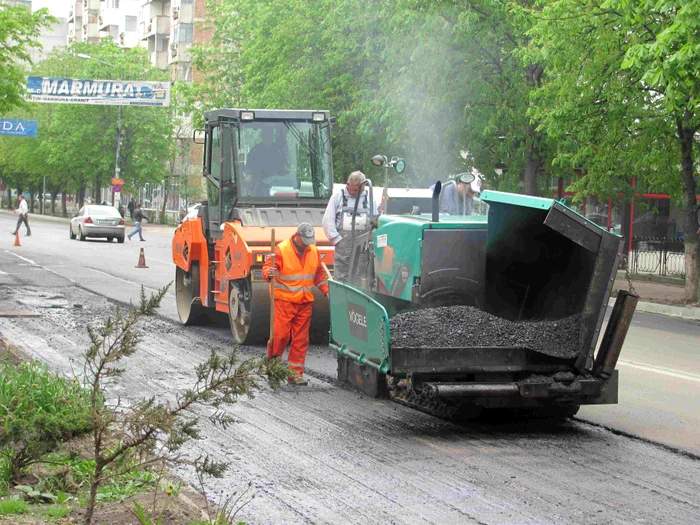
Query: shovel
(272,297)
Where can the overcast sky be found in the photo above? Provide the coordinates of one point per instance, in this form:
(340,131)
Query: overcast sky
(57,7)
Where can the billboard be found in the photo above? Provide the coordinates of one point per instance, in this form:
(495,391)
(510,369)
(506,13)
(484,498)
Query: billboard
(18,128)
(98,92)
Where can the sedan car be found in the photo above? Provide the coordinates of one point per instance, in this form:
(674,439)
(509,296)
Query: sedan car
(97,221)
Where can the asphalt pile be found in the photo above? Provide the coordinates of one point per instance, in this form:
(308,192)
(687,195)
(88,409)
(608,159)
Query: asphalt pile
(469,327)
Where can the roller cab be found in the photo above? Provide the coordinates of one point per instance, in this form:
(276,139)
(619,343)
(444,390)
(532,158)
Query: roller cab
(496,312)
(265,170)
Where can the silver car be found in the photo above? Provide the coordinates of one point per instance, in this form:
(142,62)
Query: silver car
(97,221)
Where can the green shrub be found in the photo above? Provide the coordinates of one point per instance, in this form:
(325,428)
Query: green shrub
(59,511)
(12,506)
(39,410)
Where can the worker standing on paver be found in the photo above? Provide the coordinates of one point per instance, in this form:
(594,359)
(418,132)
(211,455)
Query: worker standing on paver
(23,215)
(337,222)
(296,270)
(456,196)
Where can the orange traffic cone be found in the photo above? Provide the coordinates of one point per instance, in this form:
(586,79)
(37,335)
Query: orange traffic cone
(17,239)
(142,260)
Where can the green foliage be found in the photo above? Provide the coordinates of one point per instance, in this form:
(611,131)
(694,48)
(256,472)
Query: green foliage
(39,410)
(58,511)
(12,506)
(32,495)
(143,518)
(621,98)
(125,486)
(19,34)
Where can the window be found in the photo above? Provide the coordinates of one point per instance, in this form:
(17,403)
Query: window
(214,169)
(183,33)
(129,23)
(285,159)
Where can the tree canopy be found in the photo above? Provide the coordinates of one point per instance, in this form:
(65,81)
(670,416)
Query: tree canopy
(19,33)
(76,144)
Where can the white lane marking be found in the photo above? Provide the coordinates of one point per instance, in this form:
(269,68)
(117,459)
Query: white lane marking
(661,370)
(23,258)
(119,278)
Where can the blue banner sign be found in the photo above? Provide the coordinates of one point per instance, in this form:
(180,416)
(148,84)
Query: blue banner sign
(100,92)
(18,128)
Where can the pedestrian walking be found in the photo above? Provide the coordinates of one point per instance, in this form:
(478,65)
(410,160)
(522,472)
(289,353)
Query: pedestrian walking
(130,207)
(297,269)
(139,217)
(23,216)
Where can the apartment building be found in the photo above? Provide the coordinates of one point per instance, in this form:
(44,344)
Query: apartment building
(54,36)
(119,19)
(167,29)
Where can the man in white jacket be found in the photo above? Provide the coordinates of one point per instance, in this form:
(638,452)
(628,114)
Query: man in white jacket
(337,221)
(23,212)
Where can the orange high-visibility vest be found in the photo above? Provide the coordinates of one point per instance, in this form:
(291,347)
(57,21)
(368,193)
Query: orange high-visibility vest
(295,282)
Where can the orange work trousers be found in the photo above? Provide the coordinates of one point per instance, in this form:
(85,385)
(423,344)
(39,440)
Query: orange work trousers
(292,322)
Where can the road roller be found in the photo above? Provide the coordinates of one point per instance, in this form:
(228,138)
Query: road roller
(264,170)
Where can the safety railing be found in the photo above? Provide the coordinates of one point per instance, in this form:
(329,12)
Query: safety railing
(652,255)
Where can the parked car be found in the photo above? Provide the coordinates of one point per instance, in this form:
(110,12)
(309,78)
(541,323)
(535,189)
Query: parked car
(97,221)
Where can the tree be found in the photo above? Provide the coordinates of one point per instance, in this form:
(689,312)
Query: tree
(621,95)
(19,33)
(76,144)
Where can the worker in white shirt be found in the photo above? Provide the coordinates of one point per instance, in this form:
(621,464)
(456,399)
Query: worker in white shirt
(23,212)
(337,221)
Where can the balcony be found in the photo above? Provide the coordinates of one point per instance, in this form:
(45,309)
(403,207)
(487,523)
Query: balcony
(179,52)
(128,39)
(183,13)
(160,25)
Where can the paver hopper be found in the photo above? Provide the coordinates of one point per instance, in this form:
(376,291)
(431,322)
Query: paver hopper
(533,263)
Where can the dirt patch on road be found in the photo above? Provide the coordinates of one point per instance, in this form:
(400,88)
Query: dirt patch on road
(11,354)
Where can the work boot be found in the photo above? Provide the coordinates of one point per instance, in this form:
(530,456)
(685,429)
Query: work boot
(297,380)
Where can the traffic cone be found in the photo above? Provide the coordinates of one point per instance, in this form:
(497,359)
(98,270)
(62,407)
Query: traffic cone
(17,239)
(142,260)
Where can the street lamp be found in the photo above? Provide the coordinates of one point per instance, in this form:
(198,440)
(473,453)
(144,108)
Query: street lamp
(117,170)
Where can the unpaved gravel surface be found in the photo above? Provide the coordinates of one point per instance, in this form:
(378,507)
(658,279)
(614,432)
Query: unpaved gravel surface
(469,327)
(326,454)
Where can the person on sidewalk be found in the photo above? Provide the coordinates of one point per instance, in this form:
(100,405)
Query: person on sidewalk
(23,212)
(296,270)
(139,217)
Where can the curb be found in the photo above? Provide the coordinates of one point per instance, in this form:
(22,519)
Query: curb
(684,312)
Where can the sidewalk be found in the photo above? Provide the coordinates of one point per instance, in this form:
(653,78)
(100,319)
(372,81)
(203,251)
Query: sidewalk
(164,229)
(658,298)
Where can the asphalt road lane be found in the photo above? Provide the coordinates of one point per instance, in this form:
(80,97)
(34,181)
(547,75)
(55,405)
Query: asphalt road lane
(659,366)
(326,455)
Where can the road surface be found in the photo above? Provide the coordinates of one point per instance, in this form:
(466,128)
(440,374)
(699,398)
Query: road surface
(327,454)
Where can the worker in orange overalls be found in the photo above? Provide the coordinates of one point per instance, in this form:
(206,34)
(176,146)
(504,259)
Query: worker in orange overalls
(297,269)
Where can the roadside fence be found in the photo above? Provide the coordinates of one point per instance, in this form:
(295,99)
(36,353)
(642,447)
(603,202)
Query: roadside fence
(659,256)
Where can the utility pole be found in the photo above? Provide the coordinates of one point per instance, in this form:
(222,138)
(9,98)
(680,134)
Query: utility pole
(117,169)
